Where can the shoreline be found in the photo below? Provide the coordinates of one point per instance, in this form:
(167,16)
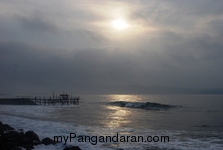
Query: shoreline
(11,139)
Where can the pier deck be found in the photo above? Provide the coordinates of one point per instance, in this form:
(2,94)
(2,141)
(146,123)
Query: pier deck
(63,99)
(49,101)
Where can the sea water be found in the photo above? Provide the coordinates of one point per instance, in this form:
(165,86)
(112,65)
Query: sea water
(191,122)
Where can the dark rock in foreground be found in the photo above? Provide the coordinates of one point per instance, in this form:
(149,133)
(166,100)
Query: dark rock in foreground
(47,141)
(72,148)
(17,140)
(32,136)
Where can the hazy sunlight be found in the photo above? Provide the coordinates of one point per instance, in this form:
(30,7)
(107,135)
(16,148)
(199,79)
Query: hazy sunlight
(119,24)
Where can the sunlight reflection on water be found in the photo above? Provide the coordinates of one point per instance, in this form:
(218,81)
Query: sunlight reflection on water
(129,98)
(117,117)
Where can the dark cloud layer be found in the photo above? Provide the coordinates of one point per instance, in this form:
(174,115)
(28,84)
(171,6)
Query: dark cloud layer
(70,49)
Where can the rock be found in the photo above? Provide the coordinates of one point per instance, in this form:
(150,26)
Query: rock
(30,135)
(6,127)
(17,140)
(13,135)
(72,148)
(11,140)
(28,147)
(1,128)
(18,148)
(20,130)
(47,141)
(30,139)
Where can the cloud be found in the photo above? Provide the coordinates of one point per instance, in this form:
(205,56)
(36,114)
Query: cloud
(70,46)
(58,69)
(36,24)
(191,16)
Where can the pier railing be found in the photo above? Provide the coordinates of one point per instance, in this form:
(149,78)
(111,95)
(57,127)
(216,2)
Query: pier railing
(57,101)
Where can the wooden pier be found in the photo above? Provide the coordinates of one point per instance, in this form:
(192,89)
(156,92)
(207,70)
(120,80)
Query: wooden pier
(63,99)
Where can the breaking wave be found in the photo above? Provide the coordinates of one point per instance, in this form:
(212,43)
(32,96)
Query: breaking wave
(142,105)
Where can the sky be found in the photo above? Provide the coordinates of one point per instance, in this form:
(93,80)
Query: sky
(73,45)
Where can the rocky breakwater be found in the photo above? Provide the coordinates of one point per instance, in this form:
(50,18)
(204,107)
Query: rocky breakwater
(16,101)
(10,139)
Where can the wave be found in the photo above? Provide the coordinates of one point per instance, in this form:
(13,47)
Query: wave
(142,105)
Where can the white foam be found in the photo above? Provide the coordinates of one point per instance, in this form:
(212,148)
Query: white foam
(129,105)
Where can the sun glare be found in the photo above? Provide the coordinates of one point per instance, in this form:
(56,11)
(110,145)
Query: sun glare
(119,24)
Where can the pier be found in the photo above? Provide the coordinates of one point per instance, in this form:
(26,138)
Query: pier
(63,99)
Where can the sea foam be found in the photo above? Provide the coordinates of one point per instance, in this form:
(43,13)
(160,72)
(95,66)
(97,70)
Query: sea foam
(179,140)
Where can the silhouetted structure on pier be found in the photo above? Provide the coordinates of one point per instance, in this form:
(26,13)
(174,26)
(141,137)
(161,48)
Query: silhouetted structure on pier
(63,99)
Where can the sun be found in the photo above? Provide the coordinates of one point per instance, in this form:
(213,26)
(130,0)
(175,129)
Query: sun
(119,24)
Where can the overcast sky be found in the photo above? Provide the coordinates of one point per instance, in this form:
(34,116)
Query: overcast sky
(68,45)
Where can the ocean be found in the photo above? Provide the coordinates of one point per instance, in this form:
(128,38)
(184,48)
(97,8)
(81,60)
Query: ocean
(188,122)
